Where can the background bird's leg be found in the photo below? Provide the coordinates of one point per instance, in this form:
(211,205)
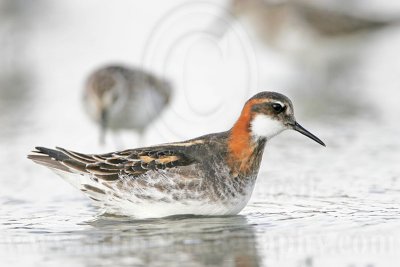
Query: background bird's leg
(103,126)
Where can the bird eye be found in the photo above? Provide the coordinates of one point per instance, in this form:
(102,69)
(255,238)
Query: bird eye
(278,107)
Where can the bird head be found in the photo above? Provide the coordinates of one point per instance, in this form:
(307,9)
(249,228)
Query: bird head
(270,113)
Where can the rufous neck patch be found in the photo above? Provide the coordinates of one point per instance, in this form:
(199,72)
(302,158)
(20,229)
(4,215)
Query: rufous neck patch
(240,144)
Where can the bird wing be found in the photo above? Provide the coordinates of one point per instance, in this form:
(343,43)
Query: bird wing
(112,166)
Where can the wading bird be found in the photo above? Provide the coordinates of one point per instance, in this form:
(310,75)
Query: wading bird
(209,175)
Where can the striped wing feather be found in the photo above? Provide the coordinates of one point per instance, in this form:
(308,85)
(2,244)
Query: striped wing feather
(110,166)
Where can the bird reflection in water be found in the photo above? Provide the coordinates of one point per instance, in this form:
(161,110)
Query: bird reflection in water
(190,241)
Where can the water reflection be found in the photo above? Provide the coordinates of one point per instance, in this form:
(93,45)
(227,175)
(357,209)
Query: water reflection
(174,241)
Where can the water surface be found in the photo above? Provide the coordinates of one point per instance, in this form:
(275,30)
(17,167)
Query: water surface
(312,206)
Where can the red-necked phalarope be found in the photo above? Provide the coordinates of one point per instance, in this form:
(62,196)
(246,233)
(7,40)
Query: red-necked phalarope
(209,175)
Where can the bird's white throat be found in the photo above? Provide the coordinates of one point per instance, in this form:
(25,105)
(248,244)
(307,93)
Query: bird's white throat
(266,127)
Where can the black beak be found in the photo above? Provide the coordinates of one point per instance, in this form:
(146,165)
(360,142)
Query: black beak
(300,129)
(103,126)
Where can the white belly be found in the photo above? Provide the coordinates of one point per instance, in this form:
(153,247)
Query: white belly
(160,209)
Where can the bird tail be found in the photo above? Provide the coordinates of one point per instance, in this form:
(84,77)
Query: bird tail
(49,158)
(60,162)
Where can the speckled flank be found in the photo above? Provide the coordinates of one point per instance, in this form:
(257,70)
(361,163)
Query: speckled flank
(192,175)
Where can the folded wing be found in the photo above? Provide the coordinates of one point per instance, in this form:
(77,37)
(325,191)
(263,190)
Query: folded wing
(112,166)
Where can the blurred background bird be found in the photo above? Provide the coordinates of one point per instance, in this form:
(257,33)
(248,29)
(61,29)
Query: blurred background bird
(278,21)
(119,97)
(322,42)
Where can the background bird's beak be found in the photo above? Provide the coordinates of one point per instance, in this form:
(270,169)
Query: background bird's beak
(103,125)
(300,129)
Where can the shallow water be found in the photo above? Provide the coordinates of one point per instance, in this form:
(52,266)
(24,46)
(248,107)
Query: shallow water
(312,206)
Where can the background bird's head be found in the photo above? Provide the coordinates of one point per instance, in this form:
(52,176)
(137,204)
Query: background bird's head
(106,92)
